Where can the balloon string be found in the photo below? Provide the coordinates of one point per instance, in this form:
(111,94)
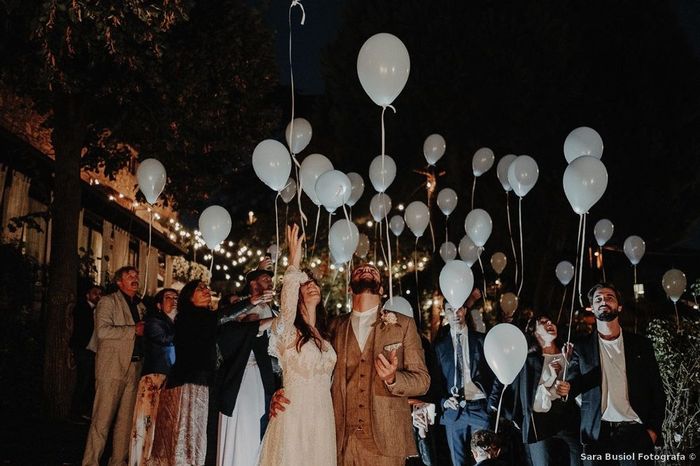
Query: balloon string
(510,233)
(573,293)
(347,287)
(291,68)
(375,243)
(381,241)
(303,219)
(432,233)
(561,307)
(277,235)
(522,251)
(580,272)
(148,253)
(498,412)
(398,256)
(602,262)
(678,319)
(415,269)
(318,218)
(483,273)
(211,266)
(286,214)
(635,278)
(447,235)
(473,191)
(391,272)
(328,295)
(384,133)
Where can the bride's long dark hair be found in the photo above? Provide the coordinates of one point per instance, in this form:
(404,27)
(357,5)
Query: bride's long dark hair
(305,330)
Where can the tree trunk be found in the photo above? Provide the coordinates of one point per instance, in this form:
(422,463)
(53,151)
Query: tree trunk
(67,138)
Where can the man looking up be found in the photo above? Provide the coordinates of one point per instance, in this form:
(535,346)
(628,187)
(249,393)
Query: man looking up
(623,400)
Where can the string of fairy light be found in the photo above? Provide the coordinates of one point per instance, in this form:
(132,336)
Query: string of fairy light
(240,255)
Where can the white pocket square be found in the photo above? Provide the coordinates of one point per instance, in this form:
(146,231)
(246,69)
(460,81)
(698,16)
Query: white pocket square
(393,347)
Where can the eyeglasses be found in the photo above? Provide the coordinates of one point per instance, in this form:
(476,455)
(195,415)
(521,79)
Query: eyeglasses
(202,287)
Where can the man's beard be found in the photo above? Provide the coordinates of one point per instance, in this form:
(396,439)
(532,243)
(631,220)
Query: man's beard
(365,285)
(607,316)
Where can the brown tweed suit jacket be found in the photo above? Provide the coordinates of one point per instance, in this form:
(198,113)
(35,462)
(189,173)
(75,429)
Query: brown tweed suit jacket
(392,427)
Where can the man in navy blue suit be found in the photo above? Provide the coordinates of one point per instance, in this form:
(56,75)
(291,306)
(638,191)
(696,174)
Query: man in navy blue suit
(616,373)
(467,386)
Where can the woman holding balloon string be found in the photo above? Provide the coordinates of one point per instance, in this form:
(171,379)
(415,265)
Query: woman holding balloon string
(548,422)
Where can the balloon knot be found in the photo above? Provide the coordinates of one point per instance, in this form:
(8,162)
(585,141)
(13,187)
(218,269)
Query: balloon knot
(303,12)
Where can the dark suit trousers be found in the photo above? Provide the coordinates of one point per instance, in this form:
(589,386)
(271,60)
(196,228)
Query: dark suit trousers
(624,439)
(544,452)
(459,431)
(84,390)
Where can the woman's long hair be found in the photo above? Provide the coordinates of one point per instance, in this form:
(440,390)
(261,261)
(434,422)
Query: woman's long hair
(305,330)
(184,302)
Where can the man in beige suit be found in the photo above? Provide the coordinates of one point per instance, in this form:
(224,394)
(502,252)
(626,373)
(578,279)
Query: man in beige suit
(119,353)
(380,365)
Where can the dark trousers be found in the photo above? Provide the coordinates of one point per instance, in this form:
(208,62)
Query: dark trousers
(547,452)
(459,430)
(628,441)
(84,391)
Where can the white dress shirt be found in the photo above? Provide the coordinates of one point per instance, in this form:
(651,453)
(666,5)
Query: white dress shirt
(615,403)
(546,389)
(471,391)
(362,325)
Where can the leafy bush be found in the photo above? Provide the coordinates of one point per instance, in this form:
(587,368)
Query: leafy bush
(677,354)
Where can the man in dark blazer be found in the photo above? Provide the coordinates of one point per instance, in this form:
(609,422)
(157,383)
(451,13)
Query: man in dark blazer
(465,401)
(83,326)
(246,372)
(616,373)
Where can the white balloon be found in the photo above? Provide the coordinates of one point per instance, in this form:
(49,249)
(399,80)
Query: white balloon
(482,161)
(502,170)
(343,239)
(674,282)
(272,163)
(362,246)
(380,206)
(564,272)
(383,66)
(585,181)
(151,177)
(505,350)
(358,187)
(417,217)
(333,189)
(448,251)
(498,262)
(399,304)
(397,224)
(478,226)
(289,191)
(382,172)
(312,167)
(468,251)
(523,174)
(302,135)
(634,248)
(215,225)
(456,282)
(603,231)
(447,200)
(583,141)
(434,148)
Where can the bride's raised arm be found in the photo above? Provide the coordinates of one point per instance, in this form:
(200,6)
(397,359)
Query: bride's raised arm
(283,329)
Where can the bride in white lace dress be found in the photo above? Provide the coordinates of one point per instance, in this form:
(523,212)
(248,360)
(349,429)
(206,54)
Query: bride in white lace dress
(305,433)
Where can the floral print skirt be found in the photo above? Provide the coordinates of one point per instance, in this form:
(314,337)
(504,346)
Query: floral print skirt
(181,433)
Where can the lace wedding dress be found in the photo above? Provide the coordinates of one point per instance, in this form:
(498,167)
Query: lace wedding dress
(304,434)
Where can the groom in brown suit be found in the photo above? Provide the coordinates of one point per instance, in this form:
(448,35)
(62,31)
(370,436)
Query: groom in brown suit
(380,365)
